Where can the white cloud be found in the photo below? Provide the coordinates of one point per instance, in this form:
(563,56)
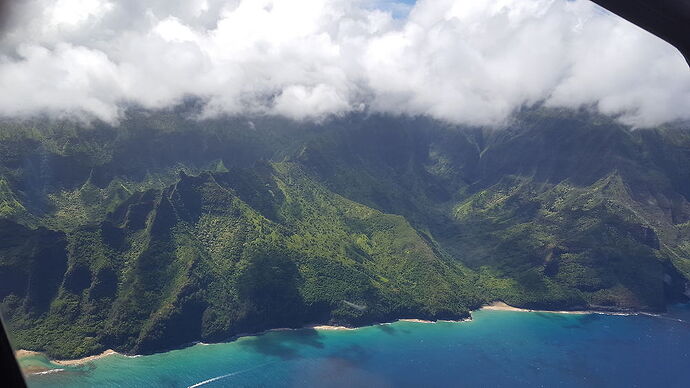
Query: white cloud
(300,102)
(72,13)
(463,61)
(172,30)
(61,81)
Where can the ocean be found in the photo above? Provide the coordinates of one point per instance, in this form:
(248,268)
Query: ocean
(495,349)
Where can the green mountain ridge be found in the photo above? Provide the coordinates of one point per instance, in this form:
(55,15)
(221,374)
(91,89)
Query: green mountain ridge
(165,231)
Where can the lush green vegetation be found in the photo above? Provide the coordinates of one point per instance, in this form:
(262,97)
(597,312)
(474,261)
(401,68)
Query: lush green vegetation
(164,231)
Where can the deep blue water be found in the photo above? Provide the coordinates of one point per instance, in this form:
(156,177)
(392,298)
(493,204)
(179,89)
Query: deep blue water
(495,349)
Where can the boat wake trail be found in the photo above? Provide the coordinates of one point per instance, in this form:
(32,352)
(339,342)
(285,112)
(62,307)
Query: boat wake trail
(48,372)
(674,319)
(228,375)
(680,320)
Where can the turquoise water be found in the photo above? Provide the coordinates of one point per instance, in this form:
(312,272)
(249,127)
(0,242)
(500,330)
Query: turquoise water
(495,349)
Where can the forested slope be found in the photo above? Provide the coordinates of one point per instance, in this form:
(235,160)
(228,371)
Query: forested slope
(164,230)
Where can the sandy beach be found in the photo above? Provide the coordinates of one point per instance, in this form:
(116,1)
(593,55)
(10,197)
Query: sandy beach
(106,353)
(501,306)
(415,320)
(328,327)
(22,353)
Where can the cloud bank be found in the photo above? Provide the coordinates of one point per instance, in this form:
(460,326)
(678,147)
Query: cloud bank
(463,61)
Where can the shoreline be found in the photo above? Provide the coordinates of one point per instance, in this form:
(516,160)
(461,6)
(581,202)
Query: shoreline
(494,306)
(502,306)
(84,360)
(41,370)
(328,328)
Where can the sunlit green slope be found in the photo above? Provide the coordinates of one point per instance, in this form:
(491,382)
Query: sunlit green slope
(165,230)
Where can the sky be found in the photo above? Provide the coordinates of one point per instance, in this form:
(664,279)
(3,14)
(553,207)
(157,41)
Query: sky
(462,61)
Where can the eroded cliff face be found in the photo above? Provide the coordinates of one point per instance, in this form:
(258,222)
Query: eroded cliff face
(142,237)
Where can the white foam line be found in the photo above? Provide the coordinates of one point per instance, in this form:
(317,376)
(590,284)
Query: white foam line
(227,375)
(47,372)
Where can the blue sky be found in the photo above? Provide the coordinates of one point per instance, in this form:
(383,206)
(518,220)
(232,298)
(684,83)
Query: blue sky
(399,8)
